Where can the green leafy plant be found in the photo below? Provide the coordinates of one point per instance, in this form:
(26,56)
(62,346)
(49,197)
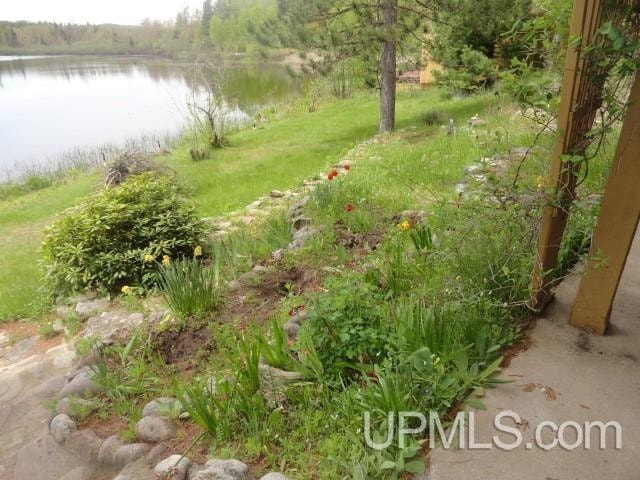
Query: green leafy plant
(422,238)
(347,324)
(104,242)
(191,288)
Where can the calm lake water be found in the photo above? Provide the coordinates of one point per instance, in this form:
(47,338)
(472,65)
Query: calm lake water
(51,107)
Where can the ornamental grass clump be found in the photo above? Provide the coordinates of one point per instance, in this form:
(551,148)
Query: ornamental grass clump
(120,236)
(191,288)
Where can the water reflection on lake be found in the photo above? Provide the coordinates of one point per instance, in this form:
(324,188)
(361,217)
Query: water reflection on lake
(52,105)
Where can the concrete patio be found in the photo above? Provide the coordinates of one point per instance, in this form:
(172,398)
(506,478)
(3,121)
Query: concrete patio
(566,375)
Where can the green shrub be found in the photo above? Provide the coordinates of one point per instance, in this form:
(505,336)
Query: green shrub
(435,117)
(347,325)
(191,288)
(112,238)
(472,72)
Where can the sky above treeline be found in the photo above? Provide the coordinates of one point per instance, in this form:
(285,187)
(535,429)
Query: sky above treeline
(124,12)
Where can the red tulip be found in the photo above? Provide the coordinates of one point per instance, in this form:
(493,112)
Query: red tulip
(349,208)
(347,167)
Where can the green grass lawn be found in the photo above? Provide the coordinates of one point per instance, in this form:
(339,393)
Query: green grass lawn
(278,156)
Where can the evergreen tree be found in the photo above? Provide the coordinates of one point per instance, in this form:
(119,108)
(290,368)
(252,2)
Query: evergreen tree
(207,15)
(374,31)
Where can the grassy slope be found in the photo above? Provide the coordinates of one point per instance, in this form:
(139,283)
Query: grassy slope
(276,157)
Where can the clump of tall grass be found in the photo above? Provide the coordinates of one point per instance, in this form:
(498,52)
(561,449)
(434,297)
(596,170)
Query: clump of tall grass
(191,288)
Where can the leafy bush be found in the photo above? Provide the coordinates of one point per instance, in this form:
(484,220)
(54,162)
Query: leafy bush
(347,324)
(435,117)
(112,239)
(191,288)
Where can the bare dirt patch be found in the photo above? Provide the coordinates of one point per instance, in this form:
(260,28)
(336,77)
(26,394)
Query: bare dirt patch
(103,427)
(186,347)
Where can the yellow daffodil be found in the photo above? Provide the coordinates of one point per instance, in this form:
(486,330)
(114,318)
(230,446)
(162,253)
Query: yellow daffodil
(166,260)
(197,251)
(148,258)
(404,226)
(126,290)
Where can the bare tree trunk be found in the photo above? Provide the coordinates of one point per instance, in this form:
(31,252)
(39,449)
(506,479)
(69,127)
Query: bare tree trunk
(388,67)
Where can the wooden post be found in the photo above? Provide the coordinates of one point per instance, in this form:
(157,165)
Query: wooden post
(616,227)
(580,101)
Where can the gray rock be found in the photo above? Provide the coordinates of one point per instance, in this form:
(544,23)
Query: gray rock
(77,407)
(260,269)
(193,471)
(86,308)
(174,467)
(138,470)
(162,407)
(473,169)
(299,317)
(305,233)
(155,429)
(233,284)
(274,476)
(44,459)
(79,473)
(108,449)
(301,236)
(85,444)
(224,470)
(300,222)
(278,255)
(156,454)
(80,385)
(107,327)
(58,327)
(63,310)
(274,381)
(291,329)
(276,194)
(61,427)
(127,454)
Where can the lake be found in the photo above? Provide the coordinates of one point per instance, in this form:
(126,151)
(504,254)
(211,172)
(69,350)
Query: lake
(54,107)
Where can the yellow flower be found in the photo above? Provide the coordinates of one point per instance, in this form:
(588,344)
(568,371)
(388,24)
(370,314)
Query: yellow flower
(404,226)
(126,290)
(166,260)
(540,183)
(148,258)
(197,251)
